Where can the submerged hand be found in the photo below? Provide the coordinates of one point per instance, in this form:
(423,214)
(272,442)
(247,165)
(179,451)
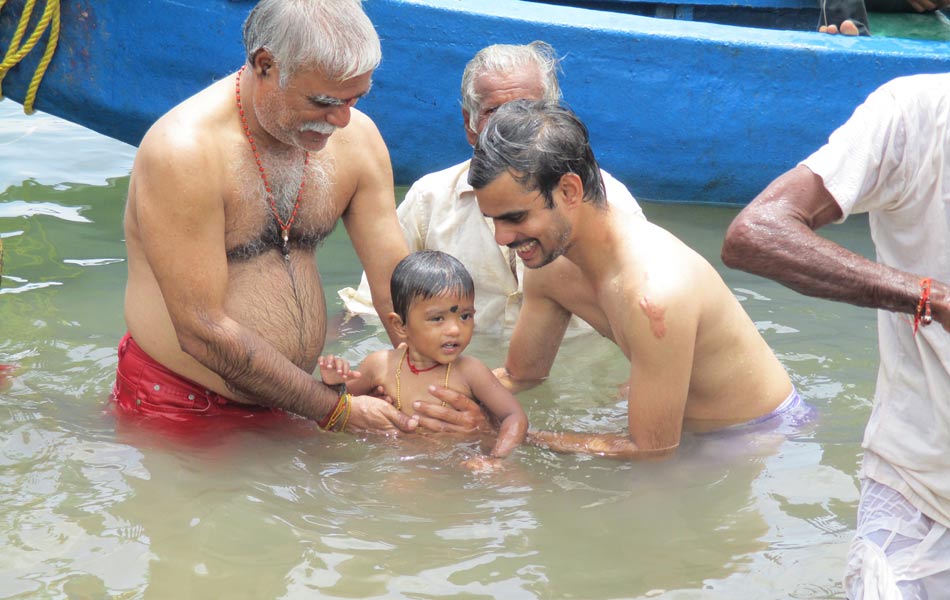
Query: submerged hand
(483,464)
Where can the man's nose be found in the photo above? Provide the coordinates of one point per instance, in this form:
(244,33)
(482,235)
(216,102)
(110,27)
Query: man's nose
(339,116)
(504,234)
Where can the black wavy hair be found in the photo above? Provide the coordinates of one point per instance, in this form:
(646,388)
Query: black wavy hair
(426,274)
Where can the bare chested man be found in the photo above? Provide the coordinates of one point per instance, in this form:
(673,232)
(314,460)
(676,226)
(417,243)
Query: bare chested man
(696,359)
(230,195)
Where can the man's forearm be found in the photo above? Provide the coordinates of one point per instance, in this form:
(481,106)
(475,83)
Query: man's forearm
(815,266)
(256,373)
(775,237)
(599,444)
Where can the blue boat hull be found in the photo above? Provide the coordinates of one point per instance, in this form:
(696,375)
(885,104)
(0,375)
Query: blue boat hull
(680,110)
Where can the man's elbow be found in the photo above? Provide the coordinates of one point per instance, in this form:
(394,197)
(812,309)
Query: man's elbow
(741,243)
(524,368)
(516,380)
(199,335)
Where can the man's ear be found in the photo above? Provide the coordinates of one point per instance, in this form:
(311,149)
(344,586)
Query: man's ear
(470,134)
(262,62)
(572,189)
(398,326)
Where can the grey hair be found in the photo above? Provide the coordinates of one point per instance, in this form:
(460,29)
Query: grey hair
(504,58)
(426,274)
(335,36)
(537,143)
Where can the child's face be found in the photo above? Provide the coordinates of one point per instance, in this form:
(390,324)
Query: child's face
(440,327)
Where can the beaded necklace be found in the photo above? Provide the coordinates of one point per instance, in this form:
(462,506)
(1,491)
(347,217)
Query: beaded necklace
(405,356)
(284,227)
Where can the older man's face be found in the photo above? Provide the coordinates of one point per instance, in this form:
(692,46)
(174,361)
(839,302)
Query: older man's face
(309,109)
(495,89)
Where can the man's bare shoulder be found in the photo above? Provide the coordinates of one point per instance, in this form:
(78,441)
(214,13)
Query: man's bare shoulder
(360,132)
(358,152)
(658,260)
(192,129)
(655,276)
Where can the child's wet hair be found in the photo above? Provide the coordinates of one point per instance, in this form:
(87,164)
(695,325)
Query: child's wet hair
(426,274)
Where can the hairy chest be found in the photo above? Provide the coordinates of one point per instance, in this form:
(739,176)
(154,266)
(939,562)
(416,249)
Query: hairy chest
(294,206)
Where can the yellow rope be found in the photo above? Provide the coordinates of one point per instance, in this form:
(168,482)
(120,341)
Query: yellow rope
(16,51)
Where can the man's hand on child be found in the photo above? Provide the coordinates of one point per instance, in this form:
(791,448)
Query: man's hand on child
(456,413)
(373,415)
(380,392)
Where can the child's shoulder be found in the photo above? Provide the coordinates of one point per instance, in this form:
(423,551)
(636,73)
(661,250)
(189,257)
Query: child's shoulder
(469,365)
(380,359)
(385,353)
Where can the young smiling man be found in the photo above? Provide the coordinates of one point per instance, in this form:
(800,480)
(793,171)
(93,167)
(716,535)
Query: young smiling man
(696,359)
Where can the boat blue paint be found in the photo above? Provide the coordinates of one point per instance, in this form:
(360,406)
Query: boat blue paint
(680,110)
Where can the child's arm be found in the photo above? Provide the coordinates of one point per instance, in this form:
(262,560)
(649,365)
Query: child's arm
(335,370)
(499,402)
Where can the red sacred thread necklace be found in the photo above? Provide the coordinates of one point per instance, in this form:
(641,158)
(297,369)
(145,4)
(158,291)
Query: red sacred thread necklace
(284,227)
(412,367)
(416,370)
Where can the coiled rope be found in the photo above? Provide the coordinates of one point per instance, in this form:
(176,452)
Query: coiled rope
(17,51)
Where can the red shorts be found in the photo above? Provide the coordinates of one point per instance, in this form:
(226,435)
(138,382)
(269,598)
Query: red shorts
(5,372)
(146,388)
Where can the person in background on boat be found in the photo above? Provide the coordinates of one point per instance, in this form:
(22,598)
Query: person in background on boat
(230,194)
(850,17)
(889,160)
(434,312)
(697,360)
(439,211)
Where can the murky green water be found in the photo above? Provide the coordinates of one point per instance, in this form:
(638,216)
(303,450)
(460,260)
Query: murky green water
(921,26)
(87,511)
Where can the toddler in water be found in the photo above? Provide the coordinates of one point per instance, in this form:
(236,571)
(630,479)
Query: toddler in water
(433,299)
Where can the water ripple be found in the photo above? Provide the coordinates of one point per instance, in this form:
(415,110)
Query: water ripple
(20,208)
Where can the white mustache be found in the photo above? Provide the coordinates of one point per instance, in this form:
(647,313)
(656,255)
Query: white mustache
(318,127)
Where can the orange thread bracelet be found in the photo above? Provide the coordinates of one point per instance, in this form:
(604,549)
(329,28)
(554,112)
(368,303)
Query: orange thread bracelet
(342,405)
(923,317)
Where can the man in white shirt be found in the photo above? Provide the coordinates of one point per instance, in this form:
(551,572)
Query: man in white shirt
(891,159)
(440,212)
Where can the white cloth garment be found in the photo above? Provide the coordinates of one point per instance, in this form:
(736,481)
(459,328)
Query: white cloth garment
(440,212)
(898,552)
(892,161)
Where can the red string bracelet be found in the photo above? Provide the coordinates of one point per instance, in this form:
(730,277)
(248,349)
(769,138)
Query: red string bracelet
(922,316)
(342,408)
